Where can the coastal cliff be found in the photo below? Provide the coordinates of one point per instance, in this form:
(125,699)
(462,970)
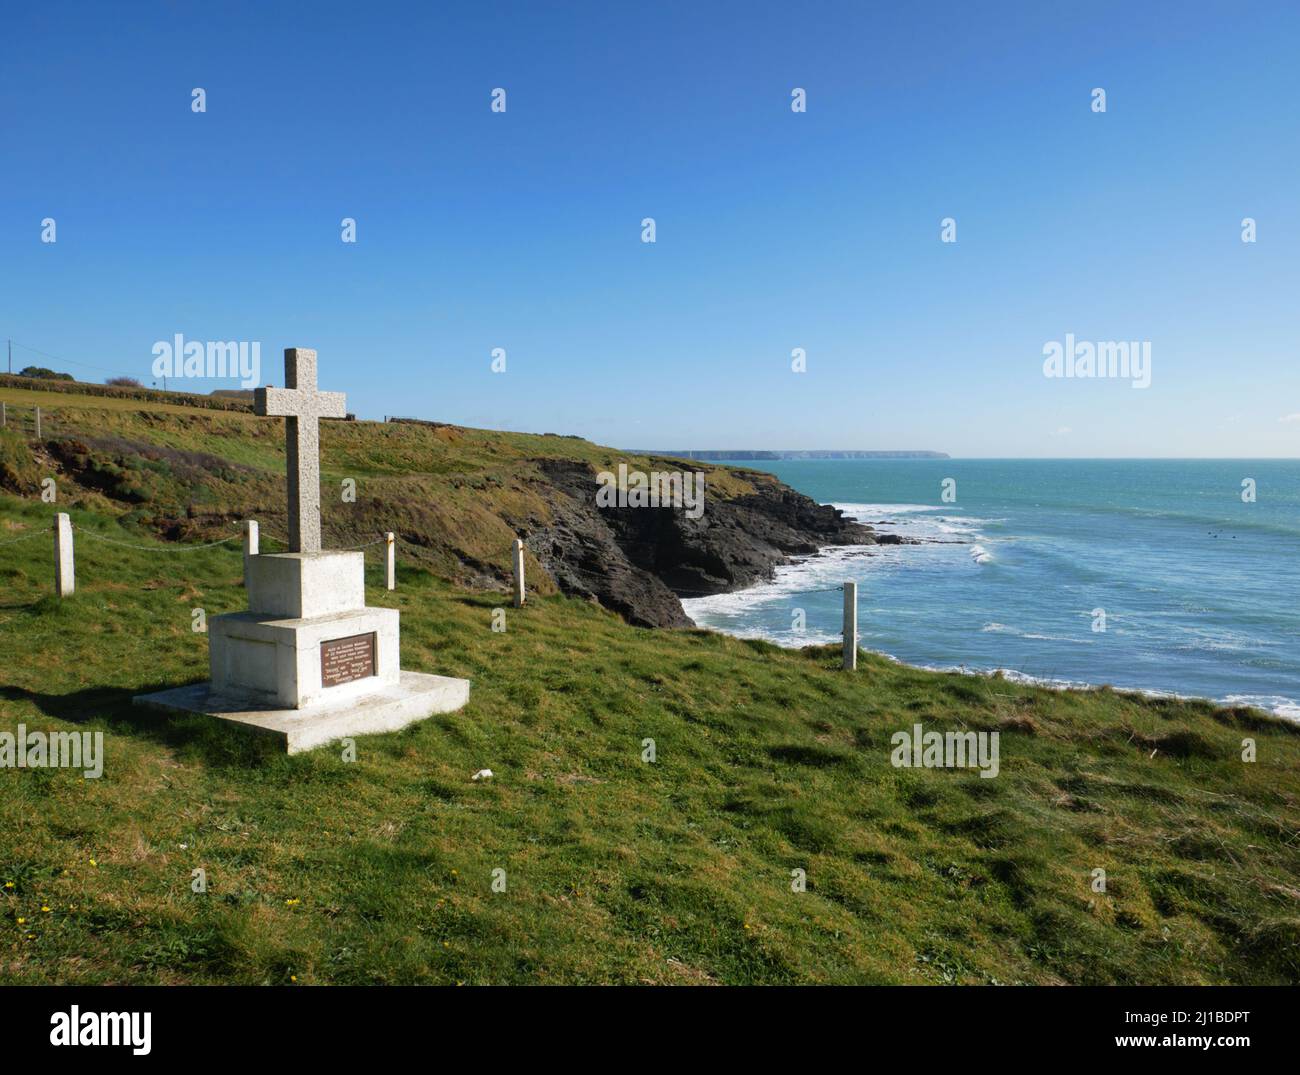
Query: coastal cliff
(455,497)
(640,561)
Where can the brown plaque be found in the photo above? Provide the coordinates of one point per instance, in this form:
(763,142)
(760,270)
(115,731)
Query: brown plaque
(344,659)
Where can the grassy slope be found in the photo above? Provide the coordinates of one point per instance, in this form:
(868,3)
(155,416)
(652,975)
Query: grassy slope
(445,491)
(321,870)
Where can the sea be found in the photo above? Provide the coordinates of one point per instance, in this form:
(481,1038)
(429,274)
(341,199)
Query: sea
(1173,577)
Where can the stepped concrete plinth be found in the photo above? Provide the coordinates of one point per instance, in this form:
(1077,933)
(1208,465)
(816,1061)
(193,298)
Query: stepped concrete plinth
(414,697)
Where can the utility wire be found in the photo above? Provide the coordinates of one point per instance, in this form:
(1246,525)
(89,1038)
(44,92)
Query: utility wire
(58,358)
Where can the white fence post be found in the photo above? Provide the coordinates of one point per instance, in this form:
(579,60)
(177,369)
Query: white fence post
(65,580)
(251,544)
(38,423)
(390,560)
(850,626)
(519,573)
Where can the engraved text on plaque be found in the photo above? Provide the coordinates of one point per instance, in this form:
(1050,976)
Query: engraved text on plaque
(344,659)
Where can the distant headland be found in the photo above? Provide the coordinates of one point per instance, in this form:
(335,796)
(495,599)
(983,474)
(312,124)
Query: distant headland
(749,453)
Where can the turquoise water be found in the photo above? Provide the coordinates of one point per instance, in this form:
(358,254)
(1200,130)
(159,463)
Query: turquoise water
(1199,588)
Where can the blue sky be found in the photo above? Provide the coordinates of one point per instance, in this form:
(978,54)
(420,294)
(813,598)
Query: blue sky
(775,230)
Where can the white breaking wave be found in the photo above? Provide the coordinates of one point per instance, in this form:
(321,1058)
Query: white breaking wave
(952,542)
(1277,704)
(826,570)
(833,566)
(1003,629)
(861,511)
(919,521)
(1200,638)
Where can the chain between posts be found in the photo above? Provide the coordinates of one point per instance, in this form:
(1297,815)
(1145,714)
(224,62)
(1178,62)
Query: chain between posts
(152,548)
(347,548)
(182,548)
(25,537)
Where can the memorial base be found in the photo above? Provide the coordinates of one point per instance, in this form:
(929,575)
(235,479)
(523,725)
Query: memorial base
(387,708)
(309,662)
(293,664)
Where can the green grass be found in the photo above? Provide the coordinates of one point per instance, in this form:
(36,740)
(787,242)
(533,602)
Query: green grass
(618,870)
(456,497)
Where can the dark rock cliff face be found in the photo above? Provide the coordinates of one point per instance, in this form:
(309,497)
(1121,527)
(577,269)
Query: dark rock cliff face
(638,561)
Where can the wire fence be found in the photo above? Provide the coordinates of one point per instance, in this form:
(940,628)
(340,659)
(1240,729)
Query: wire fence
(94,535)
(249,536)
(36,421)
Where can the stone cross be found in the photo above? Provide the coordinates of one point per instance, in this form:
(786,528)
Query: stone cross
(303,406)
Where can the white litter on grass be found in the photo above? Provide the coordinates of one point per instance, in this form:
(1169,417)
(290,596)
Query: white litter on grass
(482,774)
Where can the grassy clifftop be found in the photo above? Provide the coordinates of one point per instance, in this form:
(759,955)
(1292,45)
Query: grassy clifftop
(456,496)
(616,870)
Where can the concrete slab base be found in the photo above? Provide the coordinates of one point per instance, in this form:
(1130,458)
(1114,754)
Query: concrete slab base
(414,697)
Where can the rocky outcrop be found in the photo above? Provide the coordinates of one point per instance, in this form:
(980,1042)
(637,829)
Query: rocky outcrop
(639,561)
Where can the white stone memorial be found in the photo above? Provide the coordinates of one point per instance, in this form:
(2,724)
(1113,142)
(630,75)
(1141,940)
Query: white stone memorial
(308,662)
